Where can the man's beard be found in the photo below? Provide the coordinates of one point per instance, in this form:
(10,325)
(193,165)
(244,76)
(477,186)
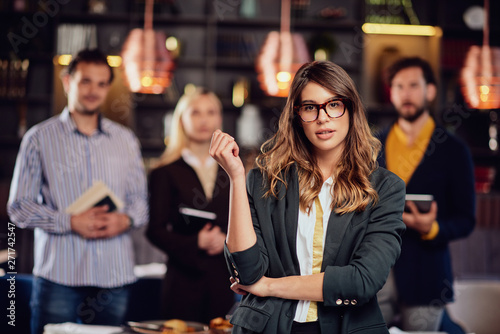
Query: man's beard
(416,115)
(87,112)
(81,105)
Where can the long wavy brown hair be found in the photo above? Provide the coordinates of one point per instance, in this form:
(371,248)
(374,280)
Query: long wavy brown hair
(352,190)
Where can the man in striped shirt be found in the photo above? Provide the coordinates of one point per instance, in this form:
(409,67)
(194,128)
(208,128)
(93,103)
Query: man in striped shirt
(84,262)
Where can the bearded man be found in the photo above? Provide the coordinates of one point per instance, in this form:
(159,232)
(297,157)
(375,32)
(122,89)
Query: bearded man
(431,161)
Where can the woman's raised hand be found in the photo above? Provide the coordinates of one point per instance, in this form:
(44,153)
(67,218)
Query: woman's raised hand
(225,151)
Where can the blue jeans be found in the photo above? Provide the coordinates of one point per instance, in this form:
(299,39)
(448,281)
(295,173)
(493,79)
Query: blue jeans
(55,303)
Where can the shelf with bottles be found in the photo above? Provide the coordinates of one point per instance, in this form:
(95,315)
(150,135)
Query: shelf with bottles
(266,13)
(21,81)
(239,49)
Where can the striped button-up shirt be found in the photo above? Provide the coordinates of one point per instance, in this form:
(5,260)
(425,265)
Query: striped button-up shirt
(55,165)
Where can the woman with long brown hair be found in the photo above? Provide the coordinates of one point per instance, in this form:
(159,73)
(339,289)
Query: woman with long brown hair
(315,228)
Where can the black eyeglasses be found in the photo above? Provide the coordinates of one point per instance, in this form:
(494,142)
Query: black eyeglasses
(309,112)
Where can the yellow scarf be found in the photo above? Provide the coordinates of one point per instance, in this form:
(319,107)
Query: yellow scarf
(403,158)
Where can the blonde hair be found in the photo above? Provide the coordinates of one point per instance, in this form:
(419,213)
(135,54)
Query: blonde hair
(352,190)
(178,139)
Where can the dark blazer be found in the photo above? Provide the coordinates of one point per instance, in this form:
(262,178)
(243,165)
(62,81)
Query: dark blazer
(360,249)
(423,273)
(196,285)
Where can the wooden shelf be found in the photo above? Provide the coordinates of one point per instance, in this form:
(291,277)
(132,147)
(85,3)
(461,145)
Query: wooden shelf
(168,19)
(334,24)
(180,20)
(340,24)
(87,18)
(135,18)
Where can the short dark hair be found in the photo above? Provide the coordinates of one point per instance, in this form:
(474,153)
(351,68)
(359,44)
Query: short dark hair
(404,63)
(89,56)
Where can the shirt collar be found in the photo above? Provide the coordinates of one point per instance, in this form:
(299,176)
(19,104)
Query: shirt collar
(329,181)
(70,125)
(193,160)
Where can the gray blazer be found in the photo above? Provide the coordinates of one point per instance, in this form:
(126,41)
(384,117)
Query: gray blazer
(360,249)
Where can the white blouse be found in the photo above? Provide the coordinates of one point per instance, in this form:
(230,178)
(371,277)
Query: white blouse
(305,236)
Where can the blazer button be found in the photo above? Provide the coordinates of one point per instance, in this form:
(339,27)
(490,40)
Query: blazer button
(354,302)
(346,302)
(338,301)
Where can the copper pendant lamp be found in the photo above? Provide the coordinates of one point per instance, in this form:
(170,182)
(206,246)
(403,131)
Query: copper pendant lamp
(147,63)
(280,57)
(480,76)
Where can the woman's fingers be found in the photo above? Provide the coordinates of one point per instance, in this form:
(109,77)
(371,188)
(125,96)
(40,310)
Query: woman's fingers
(217,137)
(225,151)
(236,289)
(221,144)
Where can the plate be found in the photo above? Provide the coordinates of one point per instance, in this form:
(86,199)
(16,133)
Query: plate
(154,327)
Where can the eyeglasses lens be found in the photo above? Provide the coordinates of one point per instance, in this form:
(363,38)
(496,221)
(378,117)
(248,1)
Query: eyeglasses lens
(309,112)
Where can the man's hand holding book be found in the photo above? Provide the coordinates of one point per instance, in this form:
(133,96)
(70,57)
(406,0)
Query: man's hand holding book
(95,213)
(97,222)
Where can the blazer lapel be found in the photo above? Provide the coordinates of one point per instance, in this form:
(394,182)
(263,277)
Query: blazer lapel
(292,217)
(336,230)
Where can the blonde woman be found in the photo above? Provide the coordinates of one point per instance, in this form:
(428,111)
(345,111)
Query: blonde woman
(195,287)
(315,228)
